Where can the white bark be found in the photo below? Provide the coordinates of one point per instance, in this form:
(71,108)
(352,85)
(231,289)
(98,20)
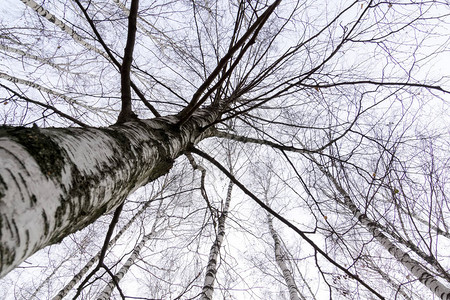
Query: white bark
(52,18)
(41,88)
(54,182)
(106,293)
(47,61)
(280,259)
(211,268)
(66,289)
(409,263)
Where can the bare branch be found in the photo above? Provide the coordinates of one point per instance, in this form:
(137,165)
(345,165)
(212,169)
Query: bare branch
(283,220)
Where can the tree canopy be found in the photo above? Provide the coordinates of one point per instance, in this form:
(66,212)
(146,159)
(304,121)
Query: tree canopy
(244,149)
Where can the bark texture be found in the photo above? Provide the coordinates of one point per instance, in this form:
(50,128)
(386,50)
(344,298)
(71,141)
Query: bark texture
(56,181)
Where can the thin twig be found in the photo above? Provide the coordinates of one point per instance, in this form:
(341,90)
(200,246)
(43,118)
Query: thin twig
(101,264)
(57,111)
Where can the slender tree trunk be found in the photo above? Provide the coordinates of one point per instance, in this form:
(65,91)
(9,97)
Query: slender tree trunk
(414,267)
(407,261)
(211,268)
(66,289)
(63,26)
(49,278)
(56,181)
(389,280)
(107,291)
(280,259)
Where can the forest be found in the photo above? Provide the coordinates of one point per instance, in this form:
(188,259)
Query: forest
(243,149)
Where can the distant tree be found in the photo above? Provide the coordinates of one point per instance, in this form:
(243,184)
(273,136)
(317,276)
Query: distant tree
(109,103)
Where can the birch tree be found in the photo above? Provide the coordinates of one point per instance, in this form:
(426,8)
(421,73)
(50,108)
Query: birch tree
(212,266)
(343,102)
(281,262)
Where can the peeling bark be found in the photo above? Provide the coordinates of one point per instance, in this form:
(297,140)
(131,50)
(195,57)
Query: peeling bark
(56,181)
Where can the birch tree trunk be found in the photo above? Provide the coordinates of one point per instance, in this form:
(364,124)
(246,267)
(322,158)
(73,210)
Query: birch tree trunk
(66,289)
(413,266)
(48,279)
(280,259)
(55,181)
(109,288)
(64,27)
(211,268)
